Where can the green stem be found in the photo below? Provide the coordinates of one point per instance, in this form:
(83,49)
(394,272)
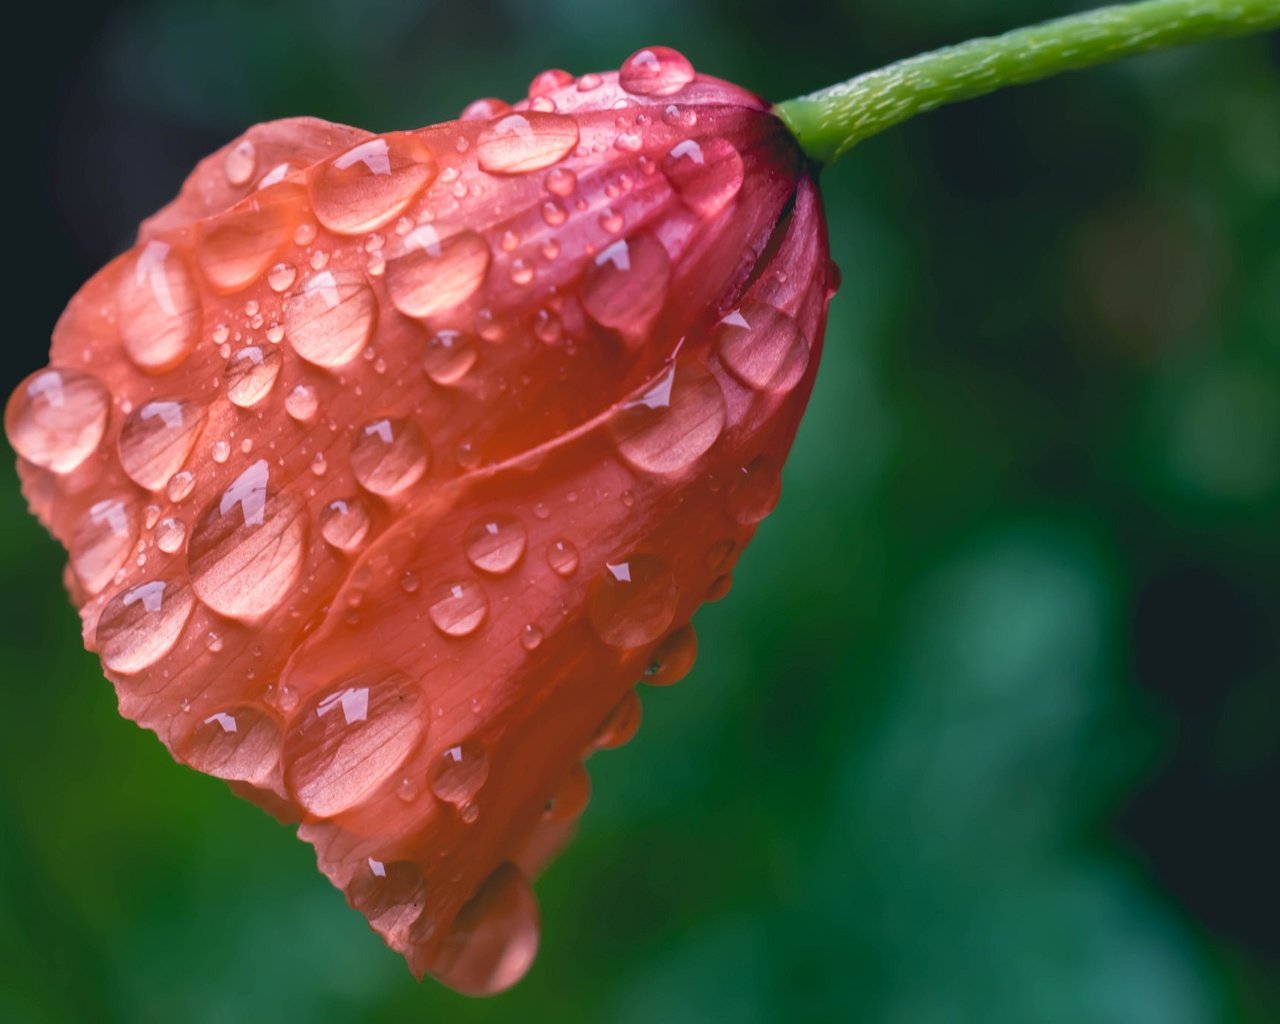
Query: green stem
(831,121)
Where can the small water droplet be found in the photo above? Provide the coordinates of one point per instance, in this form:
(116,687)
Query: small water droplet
(562,556)
(240,162)
(495,544)
(673,423)
(157,438)
(706,175)
(530,141)
(655,71)
(762,347)
(409,583)
(673,658)
(755,492)
(221,451)
(250,375)
(521,272)
(679,117)
(372,183)
(611,220)
(280,278)
(158,307)
(459,773)
(620,724)
(436,273)
(633,601)
(589,82)
(408,789)
(301,403)
(102,540)
(180,486)
(388,456)
(139,626)
(56,418)
(530,637)
(213,641)
(458,609)
(170,533)
(571,796)
(344,523)
(449,356)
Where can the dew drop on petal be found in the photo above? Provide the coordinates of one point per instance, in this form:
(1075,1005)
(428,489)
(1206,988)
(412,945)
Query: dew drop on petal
(240,162)
(762,347)
(571,796)
(351,739)
(170,534)
(621,724)
(633,601)
(372,183)
(755,492)
(388,455)
(237,743)
(449,356)
(101,541)
(495,544)
(528,141)
(458,609)
(561,182)
(250,375)
(158,307)
(459,772)
(56,418)
(562,556)
(301,403)
(655,71)
(673,658)
(673,422)
(626,285)
(246,548)
(140,625)
(707,175)
(390,894)
(236,248)
(328,322)
(344,523)
(281,277)
(157,438)
(435,274)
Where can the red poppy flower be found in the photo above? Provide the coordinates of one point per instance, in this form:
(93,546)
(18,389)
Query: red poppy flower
(387,464)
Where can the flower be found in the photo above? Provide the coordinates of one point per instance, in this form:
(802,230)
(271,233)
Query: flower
(387,464)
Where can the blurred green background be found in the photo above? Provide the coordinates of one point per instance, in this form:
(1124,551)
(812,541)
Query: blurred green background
(989,728)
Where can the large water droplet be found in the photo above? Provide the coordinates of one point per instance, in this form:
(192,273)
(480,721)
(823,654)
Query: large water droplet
(435,274)
(301,403)
(755,492)
(449,356)
(388,455)
(251,373)
(351,739)
(139,626)
(56,418)
(494,938)
(707,175)
(247,546)
(240,162)
(329,321)
(495,544)
(672,423)
(459,772)
(236,248)
(458,609)
(159,308)
(530,141)
(102,540)
(344,523)
(633,602)
(620,724)
(762,347)
(571,796)
(157,438)
(655,71)
(239,743)
(390,894)
(372,183)
(170,534)
(625,286)
(673,658)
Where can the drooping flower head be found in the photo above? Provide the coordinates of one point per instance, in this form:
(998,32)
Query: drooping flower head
(388,464)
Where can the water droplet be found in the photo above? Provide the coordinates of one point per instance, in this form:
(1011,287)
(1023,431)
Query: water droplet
(157,438)
(628,142)
(589,82)
(755,492)
(706,175)
(372,183)
(679,117)
(390,894)
(408,789)
(530,141)
(250,375)
(247,546)
(625,286)
(459,772)
(719,587)
(620,724)
(633,601)
(329,321)
(458,609)
(409,583)
(237,247)
(554,213)
(238,743)
(672,423)
(180,486)
(301,403)
(221,450)
(762,347)
(561,182)
(436,274)
(719,555)
(351,740)
(521,272)
(280,278)
(673,658)
(56,418)
(448,357)
(344,523)
(530,637)
(170,533)
(139,626)
(159,308)
(571,797)
(549,81)
(240,162)
(655,71)
(611,220)
(102,540)
(495,544)
(562,556)
(388,455)
(492,941)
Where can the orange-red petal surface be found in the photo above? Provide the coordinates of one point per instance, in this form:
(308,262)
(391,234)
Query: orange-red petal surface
(388,464)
